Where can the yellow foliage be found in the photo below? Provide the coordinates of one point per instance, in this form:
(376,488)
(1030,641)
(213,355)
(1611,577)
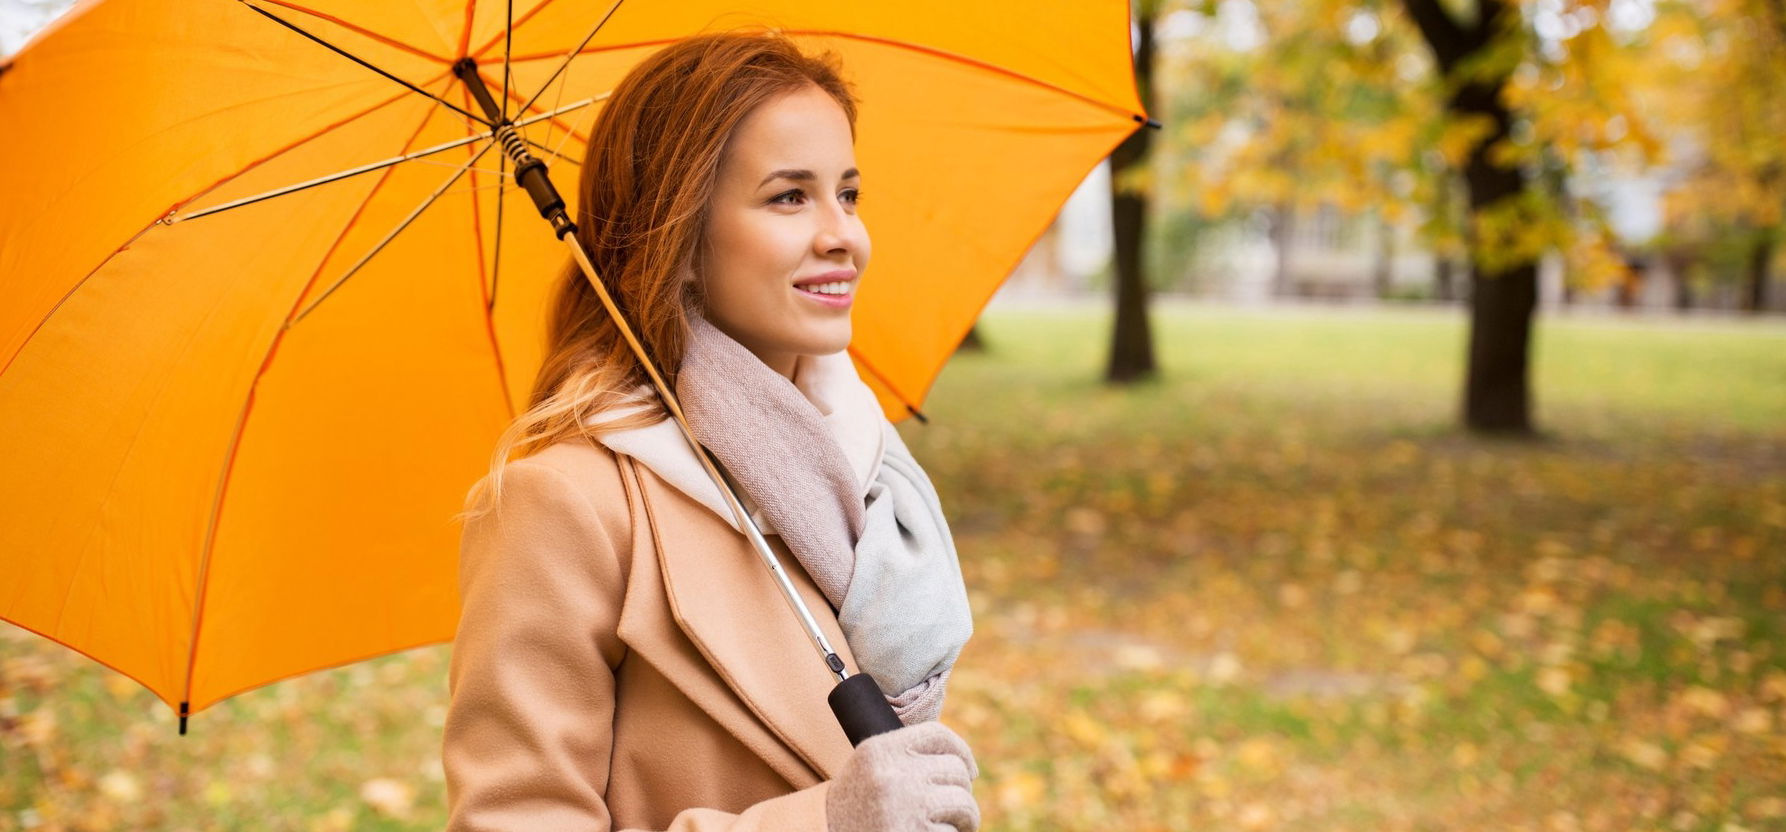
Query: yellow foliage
(1592,264)
(1460,136)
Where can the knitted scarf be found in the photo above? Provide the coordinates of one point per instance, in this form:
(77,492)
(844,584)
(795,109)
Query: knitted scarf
(879,551)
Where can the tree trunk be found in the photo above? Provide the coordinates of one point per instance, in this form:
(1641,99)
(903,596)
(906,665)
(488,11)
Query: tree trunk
(1444,266)
(1679,265)
(971,341)
(1497,398)
(1384,278)
(1131,342)
(1497,395)
(1283,219)
(1497,387)
(1755,299)
(1444,278)
(1131,339)
(1625,294)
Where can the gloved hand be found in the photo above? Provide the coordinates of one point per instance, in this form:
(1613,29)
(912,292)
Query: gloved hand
(911,779)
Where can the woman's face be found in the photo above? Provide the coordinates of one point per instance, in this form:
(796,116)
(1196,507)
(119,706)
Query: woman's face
(782,223)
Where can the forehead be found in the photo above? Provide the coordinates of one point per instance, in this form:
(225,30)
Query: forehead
(802,129)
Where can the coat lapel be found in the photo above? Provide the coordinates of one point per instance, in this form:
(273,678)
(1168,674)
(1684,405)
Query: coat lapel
(752,667)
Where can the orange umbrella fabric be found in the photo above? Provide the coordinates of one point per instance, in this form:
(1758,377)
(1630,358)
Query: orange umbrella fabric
(235,430)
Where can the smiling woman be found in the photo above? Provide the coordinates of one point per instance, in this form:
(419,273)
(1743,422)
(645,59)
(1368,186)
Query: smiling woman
(623,660)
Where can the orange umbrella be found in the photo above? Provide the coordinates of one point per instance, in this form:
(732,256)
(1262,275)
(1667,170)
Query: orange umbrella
(267,297)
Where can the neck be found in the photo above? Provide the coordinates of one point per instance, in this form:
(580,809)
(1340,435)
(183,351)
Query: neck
(783,363)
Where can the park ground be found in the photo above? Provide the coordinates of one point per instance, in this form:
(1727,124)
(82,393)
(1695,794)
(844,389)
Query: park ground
(1274,589)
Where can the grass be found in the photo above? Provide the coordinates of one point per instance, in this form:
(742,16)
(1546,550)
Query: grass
(1275,588)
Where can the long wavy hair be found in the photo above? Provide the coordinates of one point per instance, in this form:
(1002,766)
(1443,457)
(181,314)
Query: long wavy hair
(648,172)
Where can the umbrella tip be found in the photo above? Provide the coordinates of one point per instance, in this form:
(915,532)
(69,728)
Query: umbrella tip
(918,413)
(184,713)
(1141,119)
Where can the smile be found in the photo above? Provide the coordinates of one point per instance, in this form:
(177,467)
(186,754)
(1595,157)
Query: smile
(837,295)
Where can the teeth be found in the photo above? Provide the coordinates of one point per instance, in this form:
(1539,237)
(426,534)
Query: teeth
(841,287)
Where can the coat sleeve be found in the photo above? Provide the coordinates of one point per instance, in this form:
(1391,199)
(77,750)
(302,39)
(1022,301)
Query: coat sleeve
(528,734)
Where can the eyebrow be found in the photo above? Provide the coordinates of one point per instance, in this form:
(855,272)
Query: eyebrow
(800,175)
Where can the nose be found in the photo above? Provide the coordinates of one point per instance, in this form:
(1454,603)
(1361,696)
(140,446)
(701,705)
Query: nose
(838,232)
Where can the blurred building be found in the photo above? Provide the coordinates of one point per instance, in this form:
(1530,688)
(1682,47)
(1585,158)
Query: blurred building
(1325,255)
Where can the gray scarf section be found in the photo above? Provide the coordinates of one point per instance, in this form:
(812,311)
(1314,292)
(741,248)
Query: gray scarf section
(885,561)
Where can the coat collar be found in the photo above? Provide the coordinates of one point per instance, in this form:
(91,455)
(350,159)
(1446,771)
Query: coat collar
(746,660)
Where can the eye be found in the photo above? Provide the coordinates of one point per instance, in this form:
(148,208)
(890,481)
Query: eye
(795,192)
(855,195)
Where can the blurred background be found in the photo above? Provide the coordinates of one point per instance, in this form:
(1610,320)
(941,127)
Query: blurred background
(1393,441)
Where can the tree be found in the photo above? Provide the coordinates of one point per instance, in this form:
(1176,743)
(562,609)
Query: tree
(1500,132)
(1131,339)
(1721,72)
(1475,58)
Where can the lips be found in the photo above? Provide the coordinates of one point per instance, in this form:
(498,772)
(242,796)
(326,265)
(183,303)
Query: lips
(806,286)
(834,276)
(834,301)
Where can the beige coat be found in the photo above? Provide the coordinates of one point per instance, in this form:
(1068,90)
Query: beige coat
(625,661)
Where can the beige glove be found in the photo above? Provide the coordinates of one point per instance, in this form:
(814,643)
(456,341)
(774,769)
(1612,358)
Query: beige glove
(912,779)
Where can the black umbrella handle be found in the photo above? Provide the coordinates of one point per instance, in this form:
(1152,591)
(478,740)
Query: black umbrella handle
(861,708)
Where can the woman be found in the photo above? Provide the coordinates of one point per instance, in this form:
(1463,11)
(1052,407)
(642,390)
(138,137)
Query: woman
(623,659)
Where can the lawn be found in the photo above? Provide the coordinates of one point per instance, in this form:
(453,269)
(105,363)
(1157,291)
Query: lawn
(1275,589)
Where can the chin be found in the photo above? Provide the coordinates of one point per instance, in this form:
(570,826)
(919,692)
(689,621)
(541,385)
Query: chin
(834,344)
(823,342)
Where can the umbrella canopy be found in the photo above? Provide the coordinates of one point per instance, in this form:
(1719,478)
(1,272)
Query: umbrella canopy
(250,362)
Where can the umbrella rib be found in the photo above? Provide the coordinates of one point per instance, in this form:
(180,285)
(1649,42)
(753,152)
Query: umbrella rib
(324,180)
(392,235)
(502,176)
(508,43)
(163,220)
(515,95)
(363,62)
(508,32)
(229,461)
(558,99)
(361,30)
(502,167)
(484,299)
(573,53)
(570,133)
(471,9)
(175,217)
(296,144)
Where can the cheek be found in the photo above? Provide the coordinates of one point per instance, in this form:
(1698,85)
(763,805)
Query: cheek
(755,258)
(770,252)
